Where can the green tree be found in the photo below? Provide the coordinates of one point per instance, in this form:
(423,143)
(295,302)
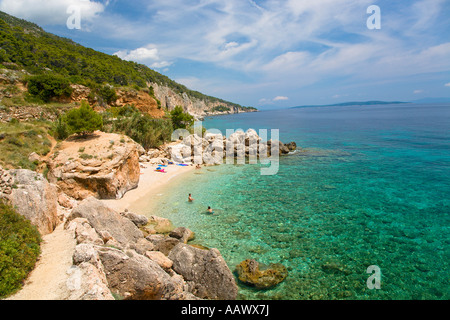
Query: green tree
(181,119)
(47,86)
(108,94)
(83,120)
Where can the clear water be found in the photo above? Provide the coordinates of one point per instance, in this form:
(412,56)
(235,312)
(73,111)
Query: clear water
(371,186)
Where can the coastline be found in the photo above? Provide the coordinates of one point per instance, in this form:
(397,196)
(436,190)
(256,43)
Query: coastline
(150,184)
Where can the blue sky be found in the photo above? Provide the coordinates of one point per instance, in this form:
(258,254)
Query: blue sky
(268,53)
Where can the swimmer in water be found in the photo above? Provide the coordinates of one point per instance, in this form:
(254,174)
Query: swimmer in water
(210,210)
(190,199)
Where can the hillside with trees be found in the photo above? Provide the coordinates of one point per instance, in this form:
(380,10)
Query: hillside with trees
(24,45)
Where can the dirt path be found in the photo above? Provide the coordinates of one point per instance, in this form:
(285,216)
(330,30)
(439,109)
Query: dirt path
(48,280)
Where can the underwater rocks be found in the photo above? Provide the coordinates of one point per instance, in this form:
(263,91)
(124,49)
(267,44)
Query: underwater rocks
(251,272)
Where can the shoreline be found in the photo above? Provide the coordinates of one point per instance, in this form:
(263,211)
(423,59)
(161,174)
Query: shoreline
(150,184)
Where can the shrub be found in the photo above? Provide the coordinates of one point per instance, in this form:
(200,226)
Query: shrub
(220,109)
(108,94)
(83,120)
(60,129)
(149,132)
(47,86)
(19,249)
(181,119)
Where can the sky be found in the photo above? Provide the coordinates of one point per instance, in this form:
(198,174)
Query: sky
(268,53)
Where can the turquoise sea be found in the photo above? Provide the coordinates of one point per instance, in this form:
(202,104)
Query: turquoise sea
(369,186)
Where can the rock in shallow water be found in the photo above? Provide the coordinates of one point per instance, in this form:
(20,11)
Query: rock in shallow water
(249,272)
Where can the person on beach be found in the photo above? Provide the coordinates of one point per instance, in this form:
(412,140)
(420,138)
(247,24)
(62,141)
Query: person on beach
(190,198)
(198,166)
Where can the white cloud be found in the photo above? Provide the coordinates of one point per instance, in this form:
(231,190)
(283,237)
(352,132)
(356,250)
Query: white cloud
(51,12)
(280,98)
(417,91)
(447,84)
(148,55)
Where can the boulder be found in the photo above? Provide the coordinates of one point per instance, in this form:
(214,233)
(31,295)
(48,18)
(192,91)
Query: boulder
(250,272)
(292,146)
(137,219)
(103,218)
(35,199)
(183,234)
(86,282)
(206,272)
(84,233)
(136,277)
(160,259)
(104,165)
(159,225)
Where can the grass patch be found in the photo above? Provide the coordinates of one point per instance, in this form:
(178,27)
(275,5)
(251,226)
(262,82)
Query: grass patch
(19,249)
(19,140)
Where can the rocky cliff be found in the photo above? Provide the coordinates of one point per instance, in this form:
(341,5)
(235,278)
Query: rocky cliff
(104,165)
(197,107)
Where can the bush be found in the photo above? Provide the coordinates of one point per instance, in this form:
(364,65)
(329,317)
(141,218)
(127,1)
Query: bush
(181,119)
(19,249)
(149,132)
(108,94)
(220,109)
(60,129)
(47,86)
(83,120)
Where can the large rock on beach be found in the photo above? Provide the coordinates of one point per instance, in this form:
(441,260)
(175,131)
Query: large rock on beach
(213,147)
(104,219)
(252,273)
(35,199)
(205,271)
(103,165)
(136,277)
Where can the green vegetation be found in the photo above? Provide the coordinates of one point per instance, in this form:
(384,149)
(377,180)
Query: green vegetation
(107,94)
(19,249)
(18,140)
(220,109)
(26,45)
(181,119)
(47,86)
(83,120)
(128,120)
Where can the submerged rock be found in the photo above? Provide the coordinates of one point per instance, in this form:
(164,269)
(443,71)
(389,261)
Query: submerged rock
(249,272)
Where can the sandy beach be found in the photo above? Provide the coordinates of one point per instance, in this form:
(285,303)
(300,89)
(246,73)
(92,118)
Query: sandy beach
(150,184)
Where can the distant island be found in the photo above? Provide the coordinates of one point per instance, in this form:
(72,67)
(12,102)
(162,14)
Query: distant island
(354,103)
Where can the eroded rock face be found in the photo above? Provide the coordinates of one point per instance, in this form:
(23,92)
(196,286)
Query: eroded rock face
(35,199)
(103,165)
(249,272)
(205,271)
